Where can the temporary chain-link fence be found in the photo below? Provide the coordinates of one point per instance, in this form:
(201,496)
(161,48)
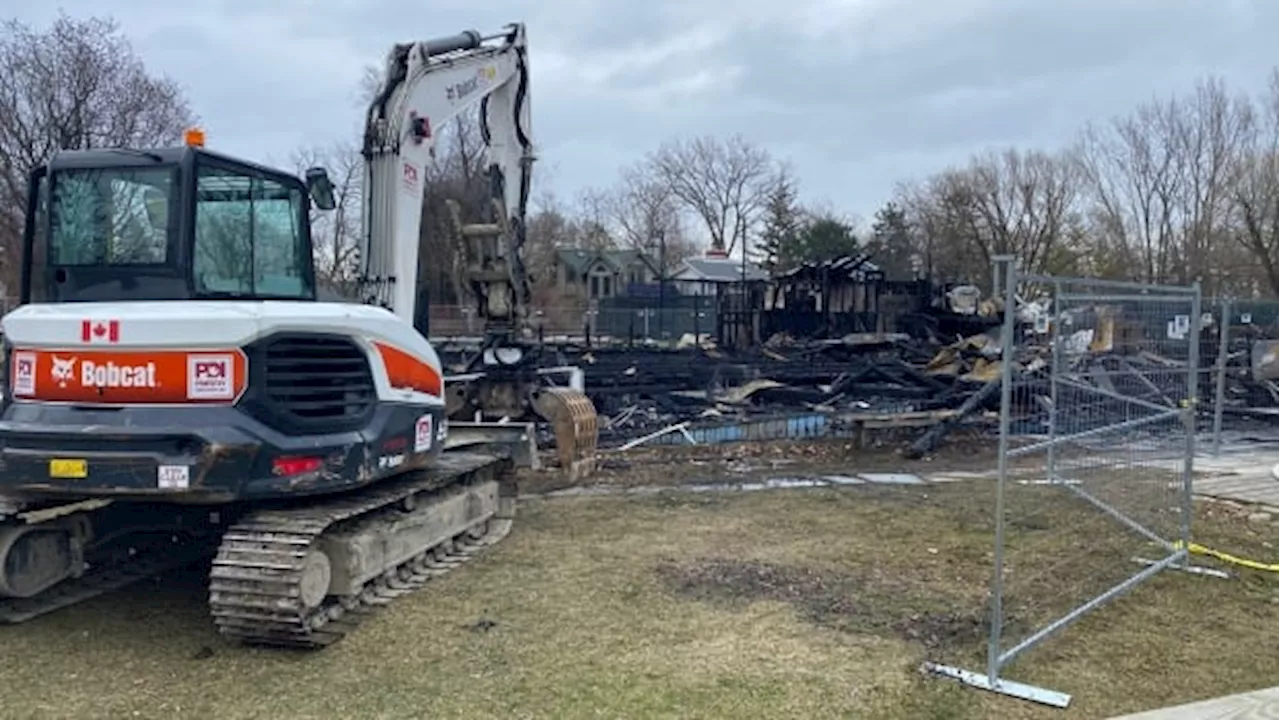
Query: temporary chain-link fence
(1238,364)
(619,319)
(1097,435)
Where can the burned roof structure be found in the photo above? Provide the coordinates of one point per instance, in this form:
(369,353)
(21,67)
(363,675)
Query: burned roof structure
(829,298)
(857,268)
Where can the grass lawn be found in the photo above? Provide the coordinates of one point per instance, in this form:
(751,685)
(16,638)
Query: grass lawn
(778,604)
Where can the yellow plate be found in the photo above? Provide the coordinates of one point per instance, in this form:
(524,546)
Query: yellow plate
(73,469)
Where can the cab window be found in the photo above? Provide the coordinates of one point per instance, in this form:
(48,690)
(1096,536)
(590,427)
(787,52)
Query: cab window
(249,237)
(111,216)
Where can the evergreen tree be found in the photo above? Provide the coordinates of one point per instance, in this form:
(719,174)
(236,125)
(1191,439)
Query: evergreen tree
(891,243)
(826,238)
(780,237)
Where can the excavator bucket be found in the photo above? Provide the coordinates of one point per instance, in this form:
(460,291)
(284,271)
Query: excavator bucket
(574,420)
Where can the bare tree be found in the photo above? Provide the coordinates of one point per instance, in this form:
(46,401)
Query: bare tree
(550,228)
(1172,182)
(1012,202)
(643,208)
(726,183)
(594,227)
(649,217)
(1212,129)
(458,174)
(1255,198)
(76,84)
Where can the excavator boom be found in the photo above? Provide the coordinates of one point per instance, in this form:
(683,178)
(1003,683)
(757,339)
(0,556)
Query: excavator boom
(425,86)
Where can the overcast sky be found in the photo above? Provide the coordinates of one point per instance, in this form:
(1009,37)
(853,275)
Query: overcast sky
(857,94)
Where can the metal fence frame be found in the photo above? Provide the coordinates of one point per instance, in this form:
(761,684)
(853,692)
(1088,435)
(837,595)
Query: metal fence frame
(1229,314)
(1175,549)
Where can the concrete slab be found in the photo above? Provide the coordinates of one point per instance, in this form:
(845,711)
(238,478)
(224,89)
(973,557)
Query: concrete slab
(1255,705)
(892,478)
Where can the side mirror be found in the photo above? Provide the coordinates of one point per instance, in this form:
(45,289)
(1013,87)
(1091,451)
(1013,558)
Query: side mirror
(320,188)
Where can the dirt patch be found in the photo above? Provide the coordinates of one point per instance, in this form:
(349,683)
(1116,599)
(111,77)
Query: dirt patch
(837,600)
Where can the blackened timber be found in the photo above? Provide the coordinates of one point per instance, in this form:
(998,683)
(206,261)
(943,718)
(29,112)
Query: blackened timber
(929,441)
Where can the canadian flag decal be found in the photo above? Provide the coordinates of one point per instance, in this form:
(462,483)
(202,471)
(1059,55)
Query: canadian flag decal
(100,331)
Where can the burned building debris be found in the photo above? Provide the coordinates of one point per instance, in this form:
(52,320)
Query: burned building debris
(836,349)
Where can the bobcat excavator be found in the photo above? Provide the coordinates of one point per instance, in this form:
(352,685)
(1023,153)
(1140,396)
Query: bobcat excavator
(176,391)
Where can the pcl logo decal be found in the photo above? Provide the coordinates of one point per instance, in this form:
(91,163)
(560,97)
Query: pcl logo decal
(423,434)
(211,377)
(24,373)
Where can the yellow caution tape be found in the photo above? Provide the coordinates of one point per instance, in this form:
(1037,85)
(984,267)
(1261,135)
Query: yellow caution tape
(1243,562)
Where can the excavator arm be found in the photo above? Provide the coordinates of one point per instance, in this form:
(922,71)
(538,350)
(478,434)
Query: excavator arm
(425,86)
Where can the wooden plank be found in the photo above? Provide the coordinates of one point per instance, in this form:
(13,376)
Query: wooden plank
(1255,705)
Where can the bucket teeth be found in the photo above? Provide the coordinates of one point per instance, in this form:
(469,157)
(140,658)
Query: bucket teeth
(574,419)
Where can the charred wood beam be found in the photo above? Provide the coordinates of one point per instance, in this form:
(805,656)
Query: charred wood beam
(932,437)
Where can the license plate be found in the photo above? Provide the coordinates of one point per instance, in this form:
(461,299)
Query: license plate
(69,469)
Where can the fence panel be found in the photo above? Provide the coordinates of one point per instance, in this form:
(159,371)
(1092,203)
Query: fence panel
(1238,365)
(618,318)
(1097,433)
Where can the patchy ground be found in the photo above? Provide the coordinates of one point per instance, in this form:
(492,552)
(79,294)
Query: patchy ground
(773,604)
(707,464)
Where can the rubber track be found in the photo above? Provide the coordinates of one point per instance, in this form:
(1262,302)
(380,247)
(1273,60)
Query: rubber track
(254,584)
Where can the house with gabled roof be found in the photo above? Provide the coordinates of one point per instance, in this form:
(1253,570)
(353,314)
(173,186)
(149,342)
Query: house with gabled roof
(703,275)
(597,274)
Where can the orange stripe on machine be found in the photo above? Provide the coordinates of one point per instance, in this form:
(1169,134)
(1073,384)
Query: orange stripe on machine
(407,372)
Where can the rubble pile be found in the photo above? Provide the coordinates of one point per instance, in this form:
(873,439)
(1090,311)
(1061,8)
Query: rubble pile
(892,380)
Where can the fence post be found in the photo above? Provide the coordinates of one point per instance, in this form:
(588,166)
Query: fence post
(1189,419)
(1002,463)
(1055,359)
(1220,389)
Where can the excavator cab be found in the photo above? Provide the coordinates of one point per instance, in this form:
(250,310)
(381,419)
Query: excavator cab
(169,224)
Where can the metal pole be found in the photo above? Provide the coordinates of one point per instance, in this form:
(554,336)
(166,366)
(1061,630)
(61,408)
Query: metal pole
(1189,415)
(1220,391)
(662,277)
(1055,342)
(744,319)
(1002,464)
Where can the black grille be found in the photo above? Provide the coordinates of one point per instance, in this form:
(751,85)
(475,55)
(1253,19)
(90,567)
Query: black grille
(316,382)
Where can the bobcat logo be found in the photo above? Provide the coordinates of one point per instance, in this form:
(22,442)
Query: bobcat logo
(63,370)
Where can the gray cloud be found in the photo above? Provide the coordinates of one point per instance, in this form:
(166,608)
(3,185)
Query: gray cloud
(858,94)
